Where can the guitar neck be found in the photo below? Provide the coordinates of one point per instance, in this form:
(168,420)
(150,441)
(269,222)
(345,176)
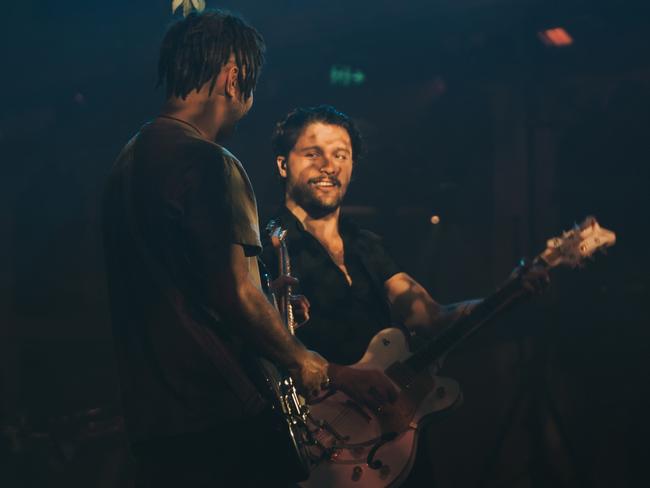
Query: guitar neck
(286,310)
(501,300)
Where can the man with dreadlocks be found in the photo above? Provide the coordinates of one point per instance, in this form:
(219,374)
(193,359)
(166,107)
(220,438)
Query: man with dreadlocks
(181,240)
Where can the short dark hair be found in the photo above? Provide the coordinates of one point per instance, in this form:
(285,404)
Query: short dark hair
(196,48)
(288,130)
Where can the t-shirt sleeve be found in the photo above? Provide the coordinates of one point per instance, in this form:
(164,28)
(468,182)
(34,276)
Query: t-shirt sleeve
(218,207)
(377,258)
(240,208)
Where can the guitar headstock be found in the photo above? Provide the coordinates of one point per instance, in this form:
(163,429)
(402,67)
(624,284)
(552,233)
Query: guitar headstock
(276,233)
(574,246)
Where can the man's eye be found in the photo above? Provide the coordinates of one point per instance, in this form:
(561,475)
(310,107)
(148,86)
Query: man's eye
(311,155)
(341,156)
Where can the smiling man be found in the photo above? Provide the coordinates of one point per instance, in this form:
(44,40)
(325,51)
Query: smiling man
(354,287)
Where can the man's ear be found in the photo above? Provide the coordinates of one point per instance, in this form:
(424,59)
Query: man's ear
(232,82)
(281,161)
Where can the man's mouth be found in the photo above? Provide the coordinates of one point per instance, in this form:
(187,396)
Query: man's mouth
(325,182)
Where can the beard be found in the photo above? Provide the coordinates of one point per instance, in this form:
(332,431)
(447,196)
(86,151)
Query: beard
(315,204)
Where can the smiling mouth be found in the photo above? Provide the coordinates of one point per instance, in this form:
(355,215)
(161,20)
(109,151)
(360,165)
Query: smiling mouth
(325,182)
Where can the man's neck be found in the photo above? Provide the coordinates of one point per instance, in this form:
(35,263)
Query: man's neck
(198,111)
(325,228)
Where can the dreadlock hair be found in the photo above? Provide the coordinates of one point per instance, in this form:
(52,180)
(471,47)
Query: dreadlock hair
(196,48)
(288,130)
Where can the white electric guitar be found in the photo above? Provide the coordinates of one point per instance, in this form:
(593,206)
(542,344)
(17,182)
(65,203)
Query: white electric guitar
(356,447)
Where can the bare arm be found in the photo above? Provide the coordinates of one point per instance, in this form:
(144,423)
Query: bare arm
(412,305)
(237,298)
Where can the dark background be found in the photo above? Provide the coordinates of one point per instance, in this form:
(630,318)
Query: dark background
(467,116)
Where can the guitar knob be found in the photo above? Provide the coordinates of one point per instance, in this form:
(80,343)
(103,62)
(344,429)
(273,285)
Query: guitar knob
(357,471)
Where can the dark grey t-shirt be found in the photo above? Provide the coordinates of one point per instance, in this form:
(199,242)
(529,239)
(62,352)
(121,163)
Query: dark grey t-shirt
(173,205)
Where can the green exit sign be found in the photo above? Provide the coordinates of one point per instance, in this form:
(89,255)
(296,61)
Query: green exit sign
(346,76)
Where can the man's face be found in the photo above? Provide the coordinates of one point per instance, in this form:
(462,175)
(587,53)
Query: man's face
(318,168)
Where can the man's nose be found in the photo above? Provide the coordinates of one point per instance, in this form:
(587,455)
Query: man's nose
(328,166)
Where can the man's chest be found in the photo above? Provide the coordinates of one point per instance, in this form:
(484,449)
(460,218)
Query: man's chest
(328,283)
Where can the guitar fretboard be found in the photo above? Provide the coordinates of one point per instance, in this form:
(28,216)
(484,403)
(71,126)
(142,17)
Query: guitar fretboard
(510,293)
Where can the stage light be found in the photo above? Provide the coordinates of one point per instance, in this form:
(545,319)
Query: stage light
(557,37)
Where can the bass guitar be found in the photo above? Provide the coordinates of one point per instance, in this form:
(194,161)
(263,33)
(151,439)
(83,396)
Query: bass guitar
(353,446)
(290,422)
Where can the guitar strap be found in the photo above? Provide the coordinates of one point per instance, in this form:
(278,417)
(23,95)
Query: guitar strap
(221,357)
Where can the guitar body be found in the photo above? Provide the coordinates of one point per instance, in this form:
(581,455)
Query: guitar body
(361,448)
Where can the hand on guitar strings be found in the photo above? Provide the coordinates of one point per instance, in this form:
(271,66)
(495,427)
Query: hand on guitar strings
(299,303)
(534,278)
(310,373)
(369,388)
